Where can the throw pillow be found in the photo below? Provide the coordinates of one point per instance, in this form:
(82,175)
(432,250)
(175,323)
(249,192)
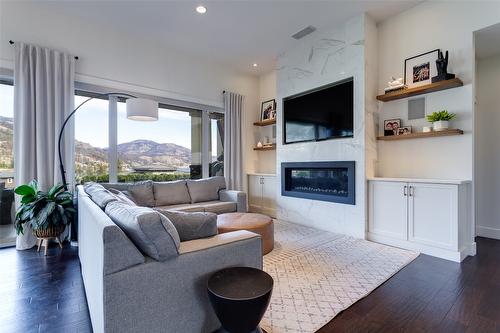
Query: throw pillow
(98,194)
(171,193)
(192,225)
(206,189)
(142,193)
(150,231)
(123,196)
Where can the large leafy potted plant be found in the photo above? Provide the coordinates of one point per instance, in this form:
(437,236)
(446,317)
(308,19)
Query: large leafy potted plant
(440,119)
(48,213)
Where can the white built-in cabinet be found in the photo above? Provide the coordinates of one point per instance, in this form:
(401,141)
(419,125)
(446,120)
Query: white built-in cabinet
(430,216)
(262,194)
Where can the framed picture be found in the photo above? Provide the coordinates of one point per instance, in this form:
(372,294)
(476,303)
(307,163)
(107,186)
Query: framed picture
(420,69)
(268,110)
(404,130)
(391,126)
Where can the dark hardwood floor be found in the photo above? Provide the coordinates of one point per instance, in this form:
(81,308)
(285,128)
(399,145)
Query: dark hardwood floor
(45,294)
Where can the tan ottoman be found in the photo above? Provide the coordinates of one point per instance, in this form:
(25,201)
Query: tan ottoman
(258,223)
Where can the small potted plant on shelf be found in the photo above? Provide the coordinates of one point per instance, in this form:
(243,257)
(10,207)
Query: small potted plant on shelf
(48,213)
(440,119)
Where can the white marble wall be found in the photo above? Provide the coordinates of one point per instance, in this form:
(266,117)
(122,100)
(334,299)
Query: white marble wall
(320,59)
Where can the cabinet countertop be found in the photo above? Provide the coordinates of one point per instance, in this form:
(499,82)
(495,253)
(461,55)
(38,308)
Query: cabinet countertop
(422,180)
(261,174)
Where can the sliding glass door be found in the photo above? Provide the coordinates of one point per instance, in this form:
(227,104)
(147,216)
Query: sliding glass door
(184,143)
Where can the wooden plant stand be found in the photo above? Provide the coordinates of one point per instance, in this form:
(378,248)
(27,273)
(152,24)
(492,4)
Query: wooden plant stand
(40,242)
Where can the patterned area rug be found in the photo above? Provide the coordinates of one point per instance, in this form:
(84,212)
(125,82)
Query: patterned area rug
(318,274)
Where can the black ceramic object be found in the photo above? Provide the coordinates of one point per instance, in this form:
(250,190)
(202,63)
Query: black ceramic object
(239,297)
(442,68)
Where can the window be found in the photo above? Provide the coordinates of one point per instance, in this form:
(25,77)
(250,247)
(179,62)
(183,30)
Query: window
(167,149)
(91,140)
(7,135)
(183,143)
(216,151)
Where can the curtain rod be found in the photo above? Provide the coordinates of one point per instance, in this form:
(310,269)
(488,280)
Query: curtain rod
(11,42)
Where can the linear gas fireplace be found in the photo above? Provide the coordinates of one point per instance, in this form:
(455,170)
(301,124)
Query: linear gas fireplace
(325,181)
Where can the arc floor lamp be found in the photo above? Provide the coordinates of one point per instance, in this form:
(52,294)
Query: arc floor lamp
(140,109)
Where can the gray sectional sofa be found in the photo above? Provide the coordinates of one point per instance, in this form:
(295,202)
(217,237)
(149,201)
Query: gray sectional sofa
(202,195)
(144,271)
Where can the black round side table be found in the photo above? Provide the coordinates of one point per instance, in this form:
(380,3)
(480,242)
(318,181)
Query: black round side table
(240,296)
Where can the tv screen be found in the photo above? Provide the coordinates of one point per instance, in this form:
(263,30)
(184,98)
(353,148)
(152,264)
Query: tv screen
(320,114)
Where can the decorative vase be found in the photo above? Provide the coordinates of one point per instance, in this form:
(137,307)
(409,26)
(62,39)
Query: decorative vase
(53,231)
(440,125)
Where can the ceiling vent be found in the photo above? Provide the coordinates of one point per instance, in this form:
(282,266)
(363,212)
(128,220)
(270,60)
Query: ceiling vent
(304,32)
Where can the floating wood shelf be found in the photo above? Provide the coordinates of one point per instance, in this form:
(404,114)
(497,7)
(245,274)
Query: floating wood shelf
(265,122)
(271,147)
(421,135)
(428,88)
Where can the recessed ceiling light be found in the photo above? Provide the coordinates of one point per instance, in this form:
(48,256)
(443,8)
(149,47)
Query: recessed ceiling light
(201,9)
(254,65)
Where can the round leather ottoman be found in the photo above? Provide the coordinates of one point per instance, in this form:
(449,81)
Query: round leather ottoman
(258,223)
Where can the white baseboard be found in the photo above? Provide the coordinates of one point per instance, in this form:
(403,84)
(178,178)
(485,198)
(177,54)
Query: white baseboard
(488,232)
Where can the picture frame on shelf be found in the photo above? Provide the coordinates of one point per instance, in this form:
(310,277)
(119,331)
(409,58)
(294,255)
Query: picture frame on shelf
(391,126)
(404,130)
(420,69)
(268,110)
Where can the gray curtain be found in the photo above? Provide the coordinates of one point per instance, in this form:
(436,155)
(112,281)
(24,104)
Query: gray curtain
(43,97)
(233,140)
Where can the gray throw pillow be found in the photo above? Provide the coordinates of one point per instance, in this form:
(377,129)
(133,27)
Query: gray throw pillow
(206,189)
(192,225)
(171,193)
(142,192)
(98,194)
(150,231)
(123,196)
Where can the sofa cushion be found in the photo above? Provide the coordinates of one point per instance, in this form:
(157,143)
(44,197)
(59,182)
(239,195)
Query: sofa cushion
(171,193)
(192,225)
(150,231)
(206,189)
(193,208)
(142,193)
(123,196)
(219,207)
(99,195)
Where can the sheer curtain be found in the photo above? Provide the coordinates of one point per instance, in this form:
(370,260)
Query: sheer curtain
(43,97)
(233,149)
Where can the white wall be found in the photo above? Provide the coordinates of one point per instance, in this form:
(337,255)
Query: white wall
(487,144)
(431,25)
(116,60)
(319,59)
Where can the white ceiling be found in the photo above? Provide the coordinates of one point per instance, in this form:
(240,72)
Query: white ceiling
(488,42)
(233,33)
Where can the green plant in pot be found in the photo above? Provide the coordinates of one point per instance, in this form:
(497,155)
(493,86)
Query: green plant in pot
(47,213)
(440,119)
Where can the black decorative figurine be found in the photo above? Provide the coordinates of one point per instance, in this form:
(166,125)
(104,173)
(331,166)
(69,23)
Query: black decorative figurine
(442,68)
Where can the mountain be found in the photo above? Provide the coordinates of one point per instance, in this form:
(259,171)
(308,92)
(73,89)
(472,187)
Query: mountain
(90,159)
(146,152)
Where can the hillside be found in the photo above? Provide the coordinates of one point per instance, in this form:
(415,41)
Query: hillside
(95,160)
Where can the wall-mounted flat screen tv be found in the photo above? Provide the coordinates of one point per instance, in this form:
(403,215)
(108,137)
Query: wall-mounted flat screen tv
(320,114)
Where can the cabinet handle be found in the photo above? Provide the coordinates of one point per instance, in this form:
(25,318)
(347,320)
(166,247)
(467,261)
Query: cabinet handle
(262,180)
(412,191)
(404,190)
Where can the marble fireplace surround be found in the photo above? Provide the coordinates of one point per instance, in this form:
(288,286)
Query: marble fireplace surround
(317,60)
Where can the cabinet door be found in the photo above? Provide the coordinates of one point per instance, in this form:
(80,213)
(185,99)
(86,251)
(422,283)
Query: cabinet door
(433,214)
(388,209)
(269,195)
(254,192)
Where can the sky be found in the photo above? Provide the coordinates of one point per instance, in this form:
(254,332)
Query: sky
(91,123)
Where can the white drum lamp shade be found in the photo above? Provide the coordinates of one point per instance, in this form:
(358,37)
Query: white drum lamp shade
(142,109)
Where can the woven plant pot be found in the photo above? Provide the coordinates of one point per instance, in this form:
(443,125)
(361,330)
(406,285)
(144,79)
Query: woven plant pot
(50,232)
